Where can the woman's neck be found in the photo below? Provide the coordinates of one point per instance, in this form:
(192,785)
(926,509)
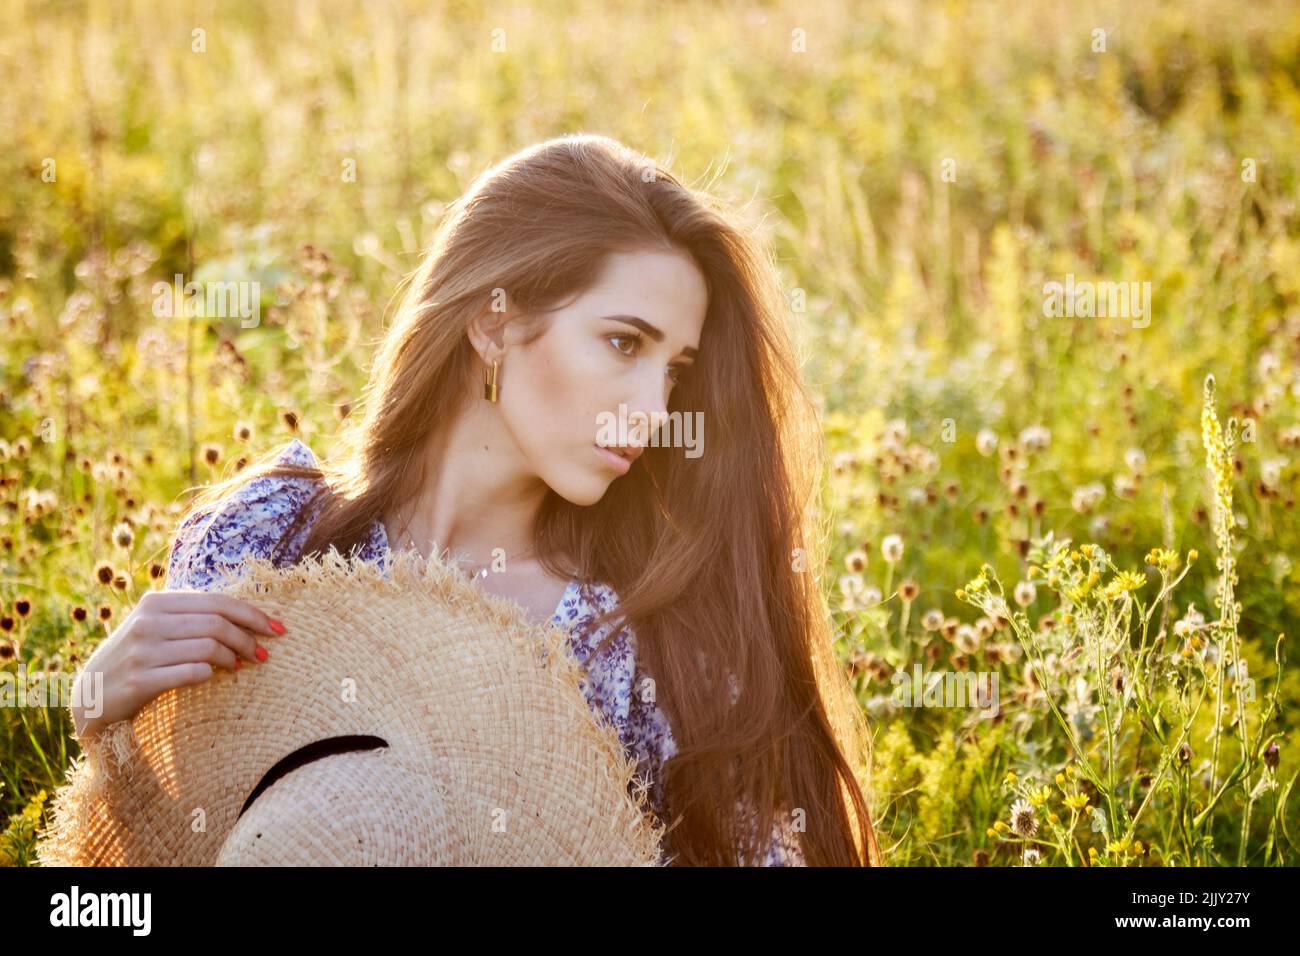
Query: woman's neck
(478,495)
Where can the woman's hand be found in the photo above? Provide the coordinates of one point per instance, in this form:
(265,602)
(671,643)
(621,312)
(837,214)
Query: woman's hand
(170,639)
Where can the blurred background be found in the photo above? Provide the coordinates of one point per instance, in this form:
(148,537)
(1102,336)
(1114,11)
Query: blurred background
(922,173)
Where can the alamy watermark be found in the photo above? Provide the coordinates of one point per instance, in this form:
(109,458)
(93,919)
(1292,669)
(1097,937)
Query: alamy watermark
(947,689)
(209,300)
(685,430)
(1098,300)
(53,689)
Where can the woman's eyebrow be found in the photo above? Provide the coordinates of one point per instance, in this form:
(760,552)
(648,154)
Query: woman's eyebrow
(650,330)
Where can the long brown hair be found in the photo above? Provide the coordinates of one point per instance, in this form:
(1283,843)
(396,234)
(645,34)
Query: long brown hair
(715,559)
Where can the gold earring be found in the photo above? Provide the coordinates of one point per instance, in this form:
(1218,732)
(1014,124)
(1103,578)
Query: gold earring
(490,390)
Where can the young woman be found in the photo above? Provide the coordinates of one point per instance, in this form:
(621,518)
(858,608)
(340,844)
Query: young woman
(573,282)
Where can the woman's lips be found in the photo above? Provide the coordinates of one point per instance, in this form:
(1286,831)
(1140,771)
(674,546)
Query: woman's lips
(613,459)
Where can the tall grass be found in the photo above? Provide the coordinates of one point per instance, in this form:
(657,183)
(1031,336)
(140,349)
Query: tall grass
(920,170)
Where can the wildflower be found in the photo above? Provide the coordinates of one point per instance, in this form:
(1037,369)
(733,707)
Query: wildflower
(6,623)
(1035,438)
(892,548)
(1193,620)
(243,432)
(1270,473)
(1271,755)
(932,619)
(23,607)
(1160,558)
(851,586)
(1123,582)
(105,612)
(1025,593)
(1039,797)
(908,590)
(104,573)
(39,502)
(1031,856)
(1053,819)
(1184,754)
(1218,459)
(1024,822)
(289,419)
(1000,827)
(123,536)
(965,639)
(77,613)
(1077,801)
(986,442)
(1125,486)
(856,561)
(894,433)
(1136,459)
(1086,497)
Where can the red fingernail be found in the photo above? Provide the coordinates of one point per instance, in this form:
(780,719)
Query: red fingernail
(261,653)
(277,626)
(239,662)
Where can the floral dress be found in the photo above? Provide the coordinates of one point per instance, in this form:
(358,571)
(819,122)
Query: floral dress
(251,519)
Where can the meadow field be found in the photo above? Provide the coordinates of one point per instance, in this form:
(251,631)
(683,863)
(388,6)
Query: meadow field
(1043,265)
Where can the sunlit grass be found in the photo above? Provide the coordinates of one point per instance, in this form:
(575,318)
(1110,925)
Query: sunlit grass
(921,171)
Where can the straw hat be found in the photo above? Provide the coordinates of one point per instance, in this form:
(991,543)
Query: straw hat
(408,720)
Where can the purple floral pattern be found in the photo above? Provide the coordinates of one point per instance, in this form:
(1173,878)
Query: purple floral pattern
(214,541)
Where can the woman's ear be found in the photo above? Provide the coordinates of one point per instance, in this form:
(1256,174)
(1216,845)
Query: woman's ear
(487,329)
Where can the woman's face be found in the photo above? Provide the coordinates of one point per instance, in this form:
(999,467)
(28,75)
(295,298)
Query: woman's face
(556,391)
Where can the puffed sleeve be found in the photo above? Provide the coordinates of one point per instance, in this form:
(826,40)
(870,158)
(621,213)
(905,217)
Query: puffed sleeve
(214,541)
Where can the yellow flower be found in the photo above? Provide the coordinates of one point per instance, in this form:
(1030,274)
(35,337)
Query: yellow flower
(1001,827)
(1053,818)
(33,809)
(1039,797)
(1160,558)
(1118,847)
(991,833)
(1077,801)
(1060,780)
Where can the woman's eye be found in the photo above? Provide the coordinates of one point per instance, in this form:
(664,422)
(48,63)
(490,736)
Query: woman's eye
(630,338)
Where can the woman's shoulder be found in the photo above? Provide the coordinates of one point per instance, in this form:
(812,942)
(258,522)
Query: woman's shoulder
(249,521)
